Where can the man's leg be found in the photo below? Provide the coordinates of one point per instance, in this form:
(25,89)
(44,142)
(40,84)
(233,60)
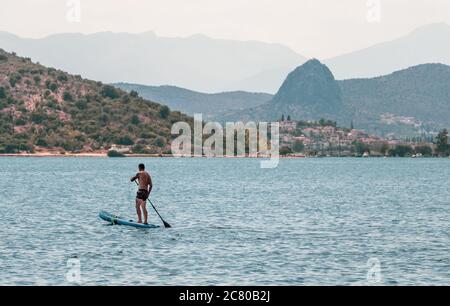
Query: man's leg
(144,208)
(138,210)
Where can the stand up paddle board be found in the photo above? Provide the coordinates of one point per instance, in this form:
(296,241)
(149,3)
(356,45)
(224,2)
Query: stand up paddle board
(116,220)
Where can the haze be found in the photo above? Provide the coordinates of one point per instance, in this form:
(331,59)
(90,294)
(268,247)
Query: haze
(314,28)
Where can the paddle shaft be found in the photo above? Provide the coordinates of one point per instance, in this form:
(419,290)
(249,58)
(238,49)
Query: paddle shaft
(165,223)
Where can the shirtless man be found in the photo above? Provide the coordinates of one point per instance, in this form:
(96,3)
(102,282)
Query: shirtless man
(145,188)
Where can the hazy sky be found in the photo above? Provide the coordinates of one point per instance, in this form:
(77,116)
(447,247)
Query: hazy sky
(314,28)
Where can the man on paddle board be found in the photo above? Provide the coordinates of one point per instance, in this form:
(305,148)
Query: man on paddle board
(145,188)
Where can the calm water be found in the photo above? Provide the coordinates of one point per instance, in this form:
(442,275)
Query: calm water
(308,222)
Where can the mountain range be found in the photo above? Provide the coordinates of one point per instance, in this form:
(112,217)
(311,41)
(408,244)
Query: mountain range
(215,65)
(196,62)
(410,101)
(427,44)
(190,102)
(402,86)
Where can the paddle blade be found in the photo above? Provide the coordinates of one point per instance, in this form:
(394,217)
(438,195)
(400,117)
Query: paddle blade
(167,225)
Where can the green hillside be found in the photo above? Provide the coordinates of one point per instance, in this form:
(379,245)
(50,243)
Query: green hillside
(190,102)
(421,93)
(44,108)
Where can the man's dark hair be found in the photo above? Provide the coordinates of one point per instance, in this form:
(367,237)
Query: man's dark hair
(141,167)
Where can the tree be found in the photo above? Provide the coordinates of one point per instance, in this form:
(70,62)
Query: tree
(384,148)
(14,79)
(442,146)
(20,121)
(53,87)
(424,150)
(361,148)
(37,80)
(160,142)
(62,78)
(164,112)
(67,96)
(282,118)
(125,141)
(126,99)
(41,142)
(285,150)
(109,91)
(401,151)
(297,132)
(298,146)
(135,120)
(324,122)
(81,104)
(289,118)
(134,94)
(2,93)
(38,117)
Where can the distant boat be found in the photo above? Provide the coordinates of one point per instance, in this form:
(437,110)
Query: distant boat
(366,154)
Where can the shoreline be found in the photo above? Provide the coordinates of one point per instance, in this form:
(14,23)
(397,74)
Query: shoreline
(104,155)
(53,155)
(93,155)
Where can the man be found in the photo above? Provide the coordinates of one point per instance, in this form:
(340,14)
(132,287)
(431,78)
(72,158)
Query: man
(145,188)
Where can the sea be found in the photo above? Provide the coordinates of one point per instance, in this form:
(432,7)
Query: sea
(313,221)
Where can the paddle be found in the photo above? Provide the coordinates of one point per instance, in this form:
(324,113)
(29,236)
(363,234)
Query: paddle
(166,225)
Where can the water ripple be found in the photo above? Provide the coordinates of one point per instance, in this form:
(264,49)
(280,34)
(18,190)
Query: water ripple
(308,222)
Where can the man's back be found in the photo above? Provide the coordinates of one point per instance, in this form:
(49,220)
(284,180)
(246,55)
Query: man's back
(144,180)
(145,188)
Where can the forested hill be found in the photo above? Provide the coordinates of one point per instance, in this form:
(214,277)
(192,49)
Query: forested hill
(47,109)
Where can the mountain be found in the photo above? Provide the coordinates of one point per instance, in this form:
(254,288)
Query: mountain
(48,109)
(427,44)
(415,98)
(312,88)
(196,62)
(309,92)
(190,102)
(406,102)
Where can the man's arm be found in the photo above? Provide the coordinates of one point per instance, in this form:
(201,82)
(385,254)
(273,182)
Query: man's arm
(135,177)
